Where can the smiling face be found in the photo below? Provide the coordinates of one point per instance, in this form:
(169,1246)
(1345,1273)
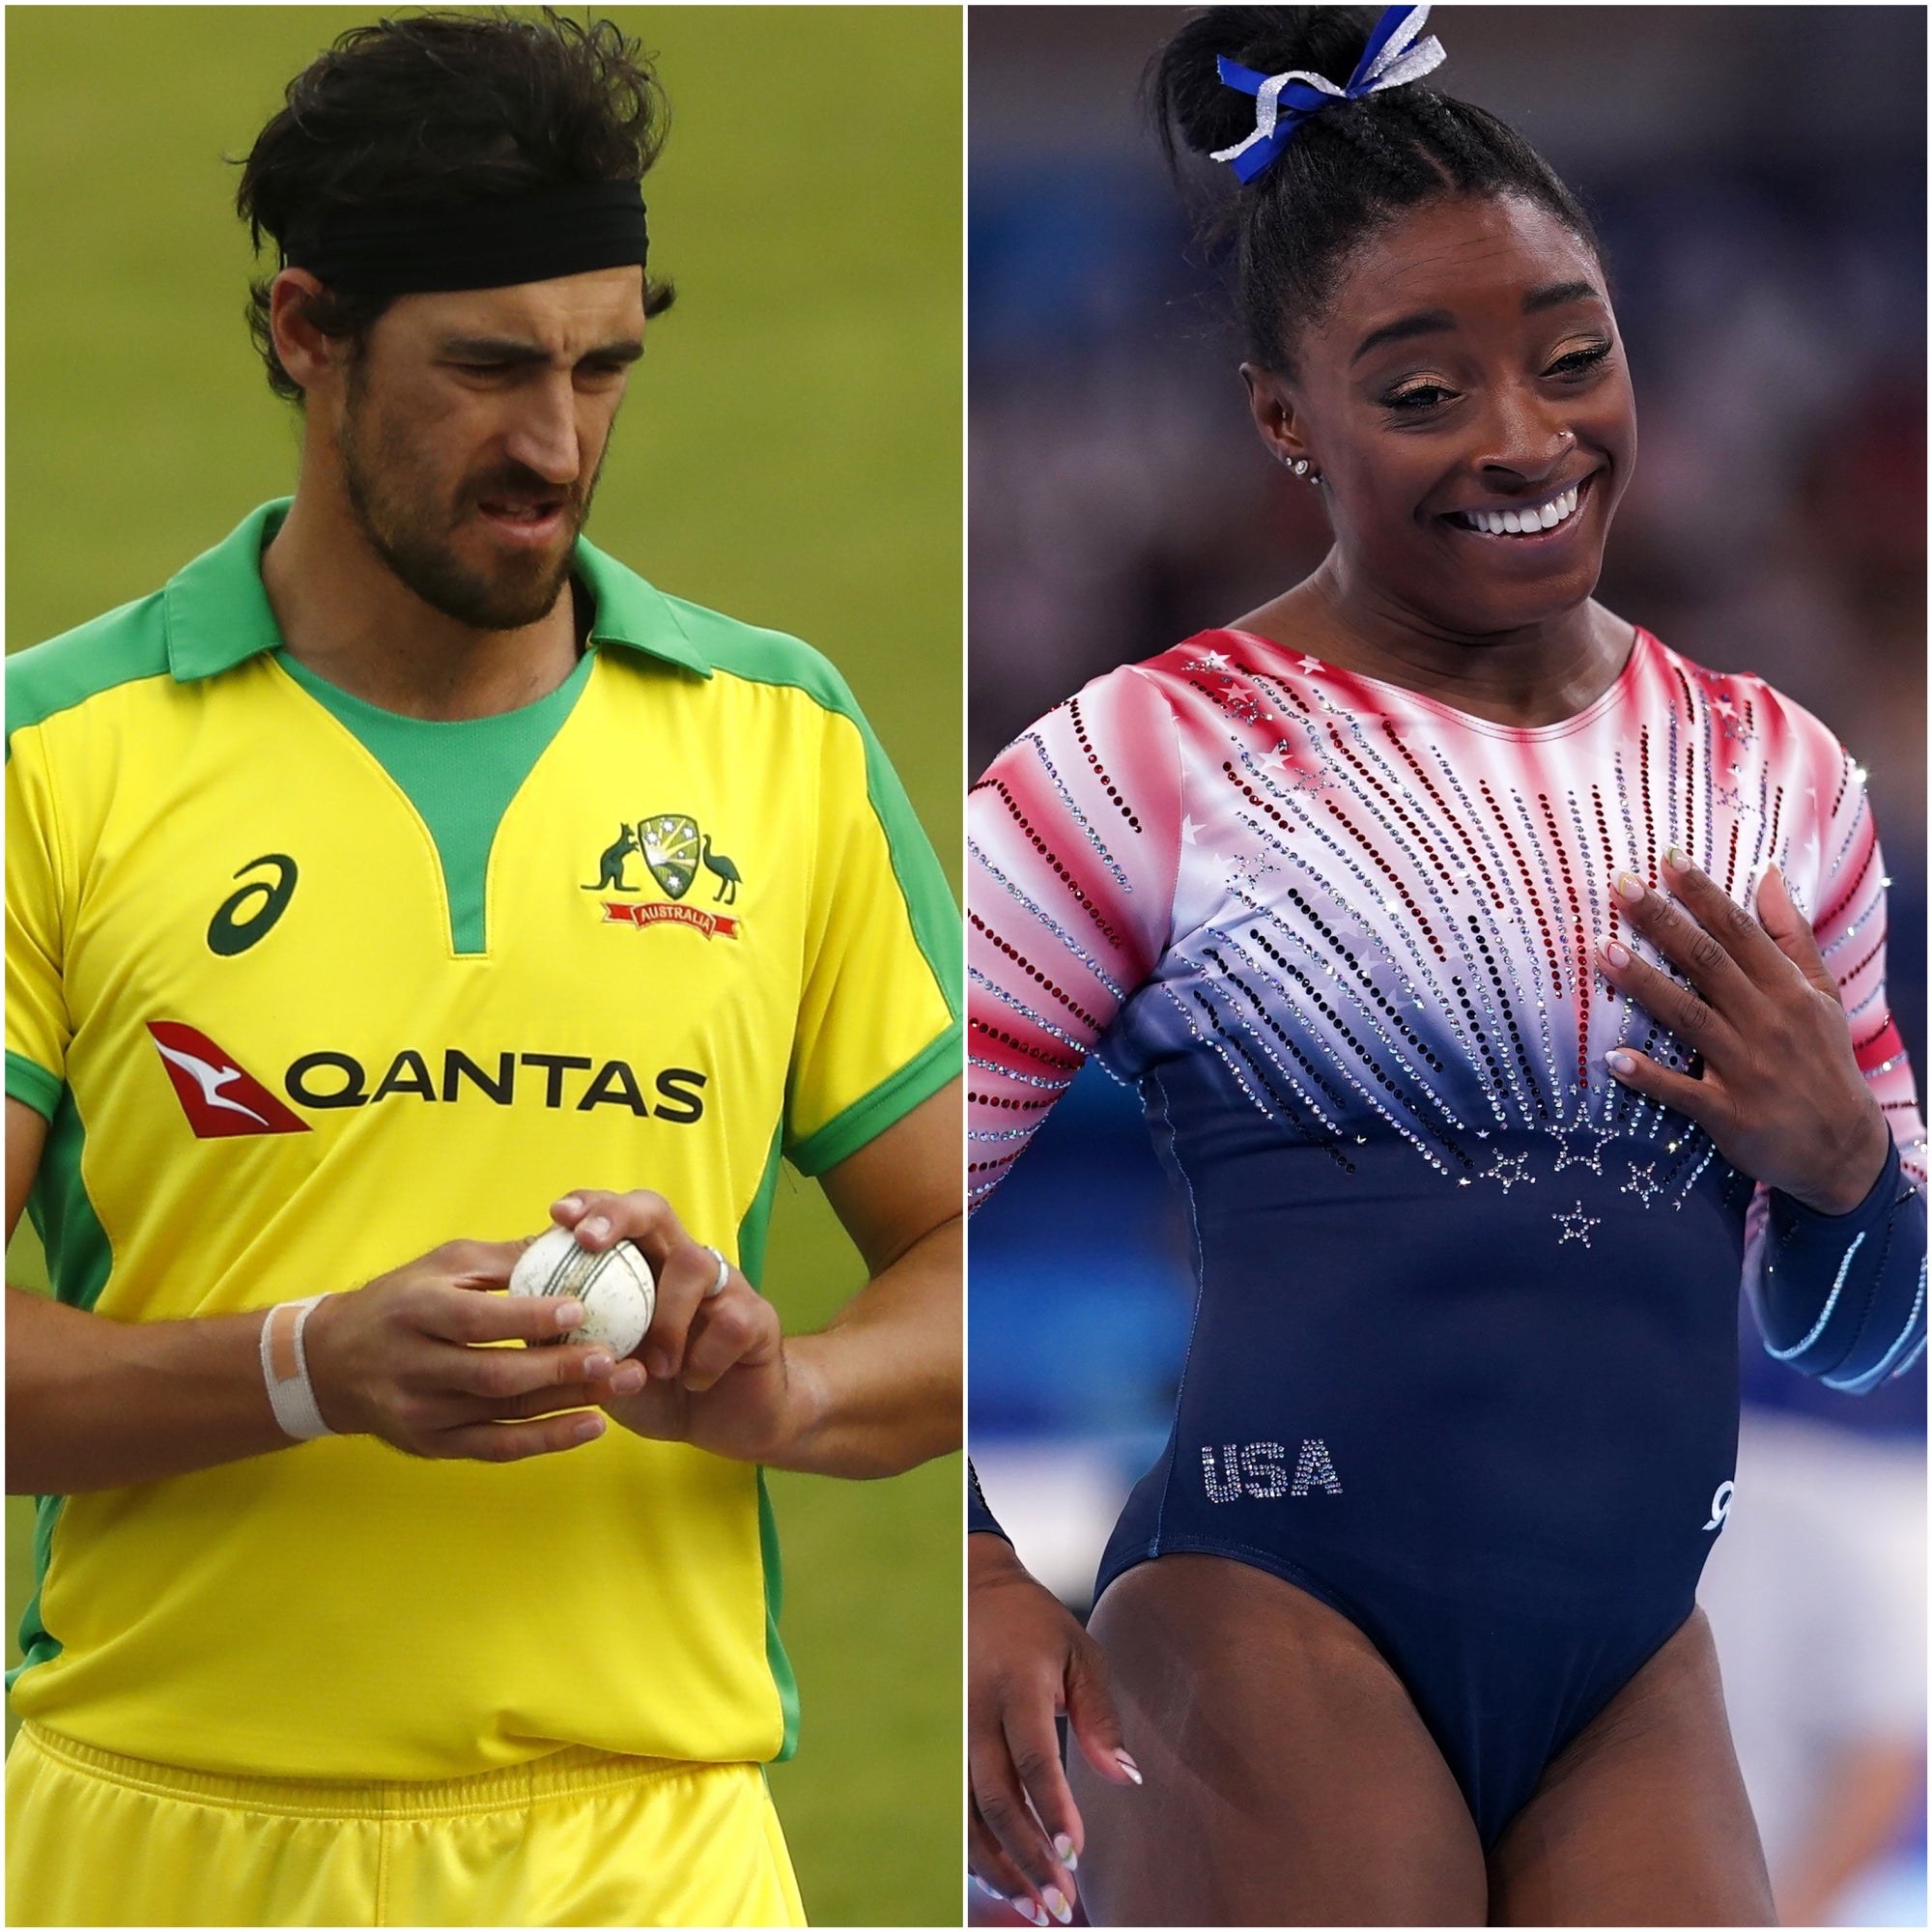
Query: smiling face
(1468,378)
(470,430)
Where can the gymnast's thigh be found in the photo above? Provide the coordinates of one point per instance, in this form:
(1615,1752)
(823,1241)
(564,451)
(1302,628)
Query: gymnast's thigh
(1289,1780)
(1642,1820)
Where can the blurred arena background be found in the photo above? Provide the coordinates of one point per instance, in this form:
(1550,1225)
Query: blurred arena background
(1759,178)
(790,453)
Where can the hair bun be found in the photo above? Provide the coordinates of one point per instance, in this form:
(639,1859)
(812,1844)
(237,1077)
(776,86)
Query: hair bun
(1185,96)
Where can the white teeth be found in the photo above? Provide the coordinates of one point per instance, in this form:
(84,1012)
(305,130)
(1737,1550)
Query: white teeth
(1520,523)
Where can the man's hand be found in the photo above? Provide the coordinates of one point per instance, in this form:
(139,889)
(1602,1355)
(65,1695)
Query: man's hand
(719,1377)
(1778,1092)
(872,1393)
(403,1359)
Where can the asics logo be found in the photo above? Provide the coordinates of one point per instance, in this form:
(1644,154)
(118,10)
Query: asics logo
(247,916)
(1720,1505)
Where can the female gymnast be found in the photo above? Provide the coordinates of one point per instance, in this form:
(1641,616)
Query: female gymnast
(1499,986)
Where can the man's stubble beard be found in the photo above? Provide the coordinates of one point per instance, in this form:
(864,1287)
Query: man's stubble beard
(391,499)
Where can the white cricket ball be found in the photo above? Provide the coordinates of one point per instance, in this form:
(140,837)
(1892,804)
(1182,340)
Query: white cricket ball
(616,1288)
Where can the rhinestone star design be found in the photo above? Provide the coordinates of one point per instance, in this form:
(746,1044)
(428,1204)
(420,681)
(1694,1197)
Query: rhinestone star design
(1213,660)
(1575,1225)
(1507,1169)
(1643,1184)
(1590,1156)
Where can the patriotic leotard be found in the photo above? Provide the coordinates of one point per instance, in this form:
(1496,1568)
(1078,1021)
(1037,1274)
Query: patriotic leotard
(1463,1354)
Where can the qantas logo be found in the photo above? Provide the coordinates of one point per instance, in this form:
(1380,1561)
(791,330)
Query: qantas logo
(220,1099)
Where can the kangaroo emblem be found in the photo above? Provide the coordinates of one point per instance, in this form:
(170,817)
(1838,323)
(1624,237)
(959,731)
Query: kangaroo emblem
(611,863)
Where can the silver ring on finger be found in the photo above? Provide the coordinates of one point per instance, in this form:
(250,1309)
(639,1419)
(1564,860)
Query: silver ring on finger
(717,1288)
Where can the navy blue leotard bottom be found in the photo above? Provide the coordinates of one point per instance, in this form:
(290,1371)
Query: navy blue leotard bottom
(1492,1427)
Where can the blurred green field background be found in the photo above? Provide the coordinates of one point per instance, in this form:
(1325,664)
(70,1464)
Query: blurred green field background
(790,453)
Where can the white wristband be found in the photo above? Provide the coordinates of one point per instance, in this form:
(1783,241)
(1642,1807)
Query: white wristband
(285,1370)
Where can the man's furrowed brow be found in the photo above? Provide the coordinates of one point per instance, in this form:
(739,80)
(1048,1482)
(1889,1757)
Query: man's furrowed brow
(495,349)
(514,350)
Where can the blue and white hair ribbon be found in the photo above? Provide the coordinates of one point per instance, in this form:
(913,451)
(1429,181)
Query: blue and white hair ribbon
(1393,58)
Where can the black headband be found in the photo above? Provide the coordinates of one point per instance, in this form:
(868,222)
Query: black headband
(424,247)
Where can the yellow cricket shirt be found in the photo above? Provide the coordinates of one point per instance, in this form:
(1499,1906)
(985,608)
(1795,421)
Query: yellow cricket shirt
(304,989)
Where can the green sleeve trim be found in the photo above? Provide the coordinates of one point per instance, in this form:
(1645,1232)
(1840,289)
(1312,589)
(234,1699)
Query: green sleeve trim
(122,647)
(30,1083)
(936,923)
(79,1260)
(891,1100)
(751,1230)
(752,1265)
(780,1664)
(38,1644)
(769,657)
(79,1255)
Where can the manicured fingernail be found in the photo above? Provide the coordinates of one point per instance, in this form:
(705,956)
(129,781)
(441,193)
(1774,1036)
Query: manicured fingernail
(1674,858)
(1127,1765)
(587,1428)
(596,1226)
(1617,953)
(1629,887)
(1030,1911)
(991,1892)
(1062,1849)
(569,1204)
(628,1380)
(1619,1062)
(569,1314)
(1056,1903)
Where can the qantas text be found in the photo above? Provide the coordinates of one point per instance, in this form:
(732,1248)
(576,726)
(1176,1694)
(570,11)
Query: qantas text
(557,1080)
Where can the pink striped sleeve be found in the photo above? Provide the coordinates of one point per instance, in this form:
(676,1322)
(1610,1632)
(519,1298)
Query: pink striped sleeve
(1849,918)
(1073,838)
(1842,1297)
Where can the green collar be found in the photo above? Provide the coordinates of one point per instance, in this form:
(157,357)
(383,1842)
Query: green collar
(217,615)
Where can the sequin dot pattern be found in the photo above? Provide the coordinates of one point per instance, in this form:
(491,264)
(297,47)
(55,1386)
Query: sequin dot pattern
(1378,916)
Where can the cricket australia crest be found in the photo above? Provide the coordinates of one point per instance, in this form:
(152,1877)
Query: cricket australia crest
(669,846)
(674,851)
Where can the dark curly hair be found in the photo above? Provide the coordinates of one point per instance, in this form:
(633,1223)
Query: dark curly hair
(1351,169)
(444,107)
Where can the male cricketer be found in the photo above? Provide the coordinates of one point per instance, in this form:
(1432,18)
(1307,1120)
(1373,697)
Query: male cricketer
(403,875)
